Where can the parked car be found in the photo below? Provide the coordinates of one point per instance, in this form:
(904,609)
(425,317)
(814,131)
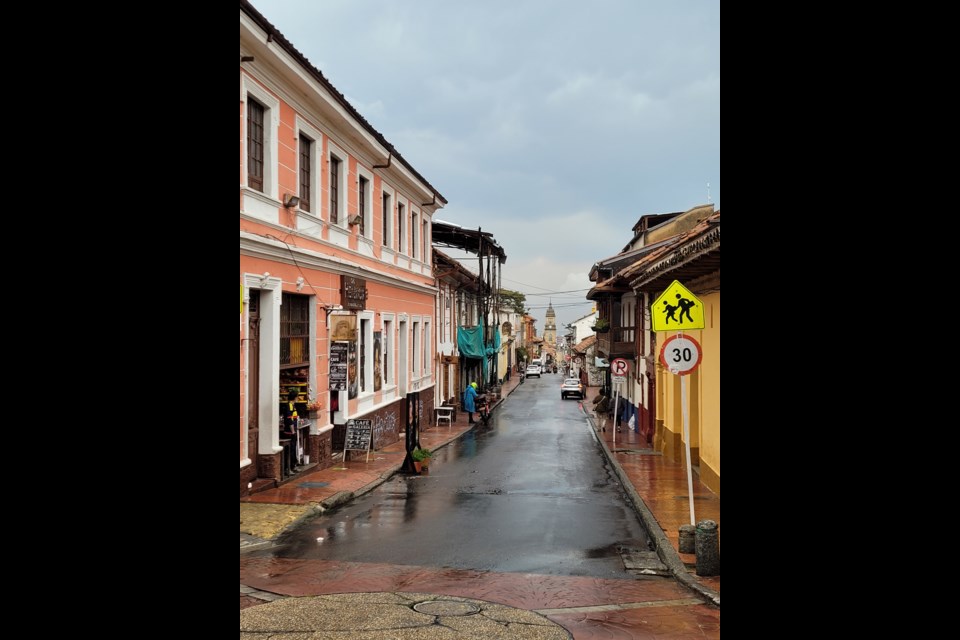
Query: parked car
(571,387)
(533,370)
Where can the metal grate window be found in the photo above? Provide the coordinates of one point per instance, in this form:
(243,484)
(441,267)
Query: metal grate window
(294,330)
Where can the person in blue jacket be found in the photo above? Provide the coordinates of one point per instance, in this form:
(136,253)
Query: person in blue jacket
(470,399)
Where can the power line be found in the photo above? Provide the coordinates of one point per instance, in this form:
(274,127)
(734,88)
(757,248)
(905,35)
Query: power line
(544,288)
(562,306)
(555,293)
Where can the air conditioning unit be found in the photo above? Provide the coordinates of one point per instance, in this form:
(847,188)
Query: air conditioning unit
(355,220)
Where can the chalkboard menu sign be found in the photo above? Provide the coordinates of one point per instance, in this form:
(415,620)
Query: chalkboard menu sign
(358,436)
(338,366)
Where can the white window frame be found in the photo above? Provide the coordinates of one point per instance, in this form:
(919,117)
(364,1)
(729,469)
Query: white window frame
(367,213)
(271,125)
(427,241)
(388,347)
(403,353)
(427,369)
(414,233)
(415,348)
(341,155)
(316,162)
(391,222)
(404,228)
(365,318)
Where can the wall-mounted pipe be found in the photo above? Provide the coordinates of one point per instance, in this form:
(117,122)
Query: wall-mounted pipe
(385,166)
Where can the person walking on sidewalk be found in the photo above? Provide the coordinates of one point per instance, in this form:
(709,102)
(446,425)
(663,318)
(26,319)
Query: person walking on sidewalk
(470,400)
(603,409)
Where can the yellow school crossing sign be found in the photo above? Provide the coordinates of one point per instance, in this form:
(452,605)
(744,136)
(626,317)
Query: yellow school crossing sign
(676,309)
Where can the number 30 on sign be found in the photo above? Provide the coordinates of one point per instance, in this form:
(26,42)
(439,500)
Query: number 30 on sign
(680,355)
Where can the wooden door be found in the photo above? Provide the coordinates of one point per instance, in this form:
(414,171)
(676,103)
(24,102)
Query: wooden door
(253,375)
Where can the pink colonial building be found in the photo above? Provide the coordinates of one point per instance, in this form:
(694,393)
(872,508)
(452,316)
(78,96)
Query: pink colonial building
(337,286)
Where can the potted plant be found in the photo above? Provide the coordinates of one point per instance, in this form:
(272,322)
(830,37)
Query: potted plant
(421,458)
(313,409)
(602,325)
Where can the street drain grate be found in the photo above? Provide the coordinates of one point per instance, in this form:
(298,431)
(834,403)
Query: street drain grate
(441,608)
(313,485)
(643,562)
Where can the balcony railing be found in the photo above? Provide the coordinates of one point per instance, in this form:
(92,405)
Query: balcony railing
(618,342)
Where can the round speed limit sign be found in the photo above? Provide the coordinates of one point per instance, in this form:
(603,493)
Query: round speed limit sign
(680,355)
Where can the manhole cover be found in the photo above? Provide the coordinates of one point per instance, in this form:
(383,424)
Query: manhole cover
(439,608)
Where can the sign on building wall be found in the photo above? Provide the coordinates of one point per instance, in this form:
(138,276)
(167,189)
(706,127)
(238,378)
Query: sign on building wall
(677,308)
(343,328)
(377,360)
(353,293)
(338,366)
(353,379)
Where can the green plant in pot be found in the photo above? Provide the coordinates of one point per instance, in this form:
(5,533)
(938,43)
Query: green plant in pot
(422,456)
(601,325)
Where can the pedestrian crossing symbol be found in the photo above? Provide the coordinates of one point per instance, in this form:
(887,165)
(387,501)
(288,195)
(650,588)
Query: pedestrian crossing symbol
(676,309)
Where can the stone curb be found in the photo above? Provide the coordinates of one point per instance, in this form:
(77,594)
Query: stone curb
(252,543)
(665,551)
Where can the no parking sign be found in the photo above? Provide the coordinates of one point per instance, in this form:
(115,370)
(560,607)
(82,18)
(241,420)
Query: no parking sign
(619,368)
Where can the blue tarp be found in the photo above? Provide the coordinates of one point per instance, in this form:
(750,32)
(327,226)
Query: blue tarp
(470,344)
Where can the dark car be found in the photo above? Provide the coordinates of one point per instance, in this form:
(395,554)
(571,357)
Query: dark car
(571,387)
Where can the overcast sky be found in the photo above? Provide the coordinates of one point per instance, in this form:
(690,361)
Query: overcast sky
(553,124)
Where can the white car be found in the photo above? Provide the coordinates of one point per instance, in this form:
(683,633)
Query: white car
(533,370)
(571,387)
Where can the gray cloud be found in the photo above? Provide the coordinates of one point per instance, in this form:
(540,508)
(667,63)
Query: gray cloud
(553,124)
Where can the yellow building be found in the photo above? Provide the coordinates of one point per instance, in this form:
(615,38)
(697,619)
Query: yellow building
(693,259)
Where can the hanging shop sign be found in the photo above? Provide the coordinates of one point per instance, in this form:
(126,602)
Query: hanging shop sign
(353,293)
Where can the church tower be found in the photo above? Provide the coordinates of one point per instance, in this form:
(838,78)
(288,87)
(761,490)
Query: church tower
(550,327)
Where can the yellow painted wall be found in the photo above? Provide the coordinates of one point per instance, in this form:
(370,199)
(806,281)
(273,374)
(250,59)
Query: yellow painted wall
(703,400)
(710,391)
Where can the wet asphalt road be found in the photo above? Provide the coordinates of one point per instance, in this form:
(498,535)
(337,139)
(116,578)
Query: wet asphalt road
(529,492)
